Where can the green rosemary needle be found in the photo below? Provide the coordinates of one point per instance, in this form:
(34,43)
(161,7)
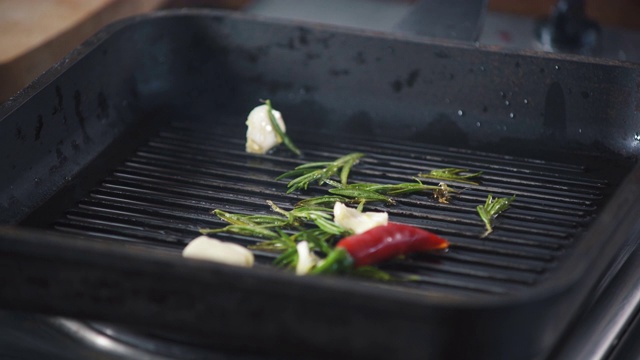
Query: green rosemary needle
(319,172)
(369,192)
(285,138)
(452,174)
(320,216)
(246,230)
(492,208)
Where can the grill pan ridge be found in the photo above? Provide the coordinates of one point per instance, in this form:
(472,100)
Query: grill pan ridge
(127,168)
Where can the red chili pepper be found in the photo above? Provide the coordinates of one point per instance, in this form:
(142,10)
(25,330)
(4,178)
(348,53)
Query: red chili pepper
(386,242)
(379,244)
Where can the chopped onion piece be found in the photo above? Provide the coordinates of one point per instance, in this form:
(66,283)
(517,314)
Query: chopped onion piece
(206,248)
(306,259)
(356,221)
(261,136)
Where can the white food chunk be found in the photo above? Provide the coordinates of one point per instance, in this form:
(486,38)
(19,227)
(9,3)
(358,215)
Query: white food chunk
(206,248)
(356,221)
(261,136)
(306,259)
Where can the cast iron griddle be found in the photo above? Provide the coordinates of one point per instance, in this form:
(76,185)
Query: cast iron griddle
(165,192)
(116,157)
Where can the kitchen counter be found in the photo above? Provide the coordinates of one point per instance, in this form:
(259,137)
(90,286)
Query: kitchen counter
(36,34)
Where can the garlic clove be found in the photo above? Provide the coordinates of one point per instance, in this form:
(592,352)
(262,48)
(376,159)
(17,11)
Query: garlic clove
(211,249)
(356,221)
(261,136)
(306,259)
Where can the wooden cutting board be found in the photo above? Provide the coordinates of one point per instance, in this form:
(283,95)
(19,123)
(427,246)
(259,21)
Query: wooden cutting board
(35,34)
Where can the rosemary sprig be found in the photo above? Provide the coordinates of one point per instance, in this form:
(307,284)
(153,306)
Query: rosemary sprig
(320,216)
(245,230)
(369,192)
(251,220)
(271,227)
(452,174)
(317,238)
(288,258)
(325,201)
(319,172)
(281,244)
(248,225)
(492,208)
(403,188)
(285,138)
(361,195)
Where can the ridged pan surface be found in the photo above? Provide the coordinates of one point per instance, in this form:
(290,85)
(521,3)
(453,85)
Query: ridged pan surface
(165,192)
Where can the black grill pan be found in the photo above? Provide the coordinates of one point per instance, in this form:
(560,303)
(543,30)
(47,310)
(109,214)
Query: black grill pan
(115,157)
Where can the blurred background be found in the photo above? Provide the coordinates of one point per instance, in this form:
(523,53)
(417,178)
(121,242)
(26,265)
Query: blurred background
(36,34)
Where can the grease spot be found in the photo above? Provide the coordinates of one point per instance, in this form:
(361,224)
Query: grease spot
(409,81)
(291,44)
(77,97)
(585,95)
(412,77)
(58,107)
(62,159)
(20,135)
(359,58)
(38,129)
(303,37)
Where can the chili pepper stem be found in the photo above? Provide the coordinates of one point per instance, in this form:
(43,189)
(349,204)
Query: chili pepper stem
(337,261)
